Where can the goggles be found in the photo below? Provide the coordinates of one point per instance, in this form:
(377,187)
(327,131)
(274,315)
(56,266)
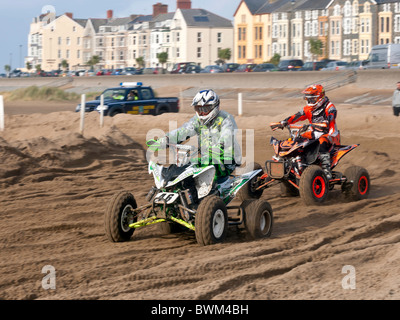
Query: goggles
(203,110)
(311,99)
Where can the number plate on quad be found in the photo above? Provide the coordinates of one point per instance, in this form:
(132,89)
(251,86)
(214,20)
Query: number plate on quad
(167,197)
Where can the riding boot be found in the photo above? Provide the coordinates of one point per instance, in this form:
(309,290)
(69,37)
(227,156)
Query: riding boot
(326,164)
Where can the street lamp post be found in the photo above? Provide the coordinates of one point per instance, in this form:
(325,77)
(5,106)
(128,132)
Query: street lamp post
(20,56)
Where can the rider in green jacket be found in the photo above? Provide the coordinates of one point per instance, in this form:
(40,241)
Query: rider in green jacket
(216,132)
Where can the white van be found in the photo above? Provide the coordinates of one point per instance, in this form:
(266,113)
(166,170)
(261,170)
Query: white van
(384,56)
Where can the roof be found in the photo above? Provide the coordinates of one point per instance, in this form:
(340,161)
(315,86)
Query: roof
(97,23)
(141,19)
(81,22)
(312,5)
(273,6)
(164,16)
(204,18)
(118,21)
(385,1)
(255,5)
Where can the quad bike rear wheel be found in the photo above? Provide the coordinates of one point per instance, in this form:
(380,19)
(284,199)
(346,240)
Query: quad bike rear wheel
(313,186)
(211,224)
(259,219)
(118,216)
(360,183)
(248,191)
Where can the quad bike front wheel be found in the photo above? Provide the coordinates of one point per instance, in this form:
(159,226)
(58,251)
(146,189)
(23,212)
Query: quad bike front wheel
(119,216)
(248,191)
(360,183)
(211,224)
(313,186)
(259,219)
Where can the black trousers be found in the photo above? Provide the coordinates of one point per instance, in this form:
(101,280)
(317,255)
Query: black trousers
(396,111)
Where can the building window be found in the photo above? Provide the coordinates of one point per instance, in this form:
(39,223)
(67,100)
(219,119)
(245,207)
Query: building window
(78,54)
(346,47)
(121,55)
(240,34)
(397,23)
(240,52)
(121,42)
(382,24)
(219,37)
(387,24)
(198,52)
(178,37)
(347,9)
(346,25)
(67,55)
(355,47)
(307,29)
(336,10)
(198,36)
(59,40)
(177,52)
(68,41)
(59,54)
(78,41)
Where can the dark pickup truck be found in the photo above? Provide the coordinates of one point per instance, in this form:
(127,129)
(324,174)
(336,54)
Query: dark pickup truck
(132,98)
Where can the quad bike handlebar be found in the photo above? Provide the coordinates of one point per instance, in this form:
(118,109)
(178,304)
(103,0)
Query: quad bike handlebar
(298,127)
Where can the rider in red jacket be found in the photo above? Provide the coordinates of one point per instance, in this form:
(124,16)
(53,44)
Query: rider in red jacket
(319,110)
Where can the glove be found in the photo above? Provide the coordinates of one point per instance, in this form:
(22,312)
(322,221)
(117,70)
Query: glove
(155,145)
(305,127)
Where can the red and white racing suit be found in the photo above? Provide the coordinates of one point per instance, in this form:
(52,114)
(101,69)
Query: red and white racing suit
(326,113)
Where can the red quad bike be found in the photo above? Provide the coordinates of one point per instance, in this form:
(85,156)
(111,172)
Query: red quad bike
(297,167)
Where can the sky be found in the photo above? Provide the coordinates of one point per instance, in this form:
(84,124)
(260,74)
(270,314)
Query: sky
(16,16)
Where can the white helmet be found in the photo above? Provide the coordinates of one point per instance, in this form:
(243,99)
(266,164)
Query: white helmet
(206,105)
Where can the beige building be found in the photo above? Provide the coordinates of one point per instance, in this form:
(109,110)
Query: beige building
(62,39)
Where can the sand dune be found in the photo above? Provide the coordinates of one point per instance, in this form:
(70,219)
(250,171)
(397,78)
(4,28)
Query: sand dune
(57,182)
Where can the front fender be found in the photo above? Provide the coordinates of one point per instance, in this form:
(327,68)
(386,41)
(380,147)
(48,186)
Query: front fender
(204,181)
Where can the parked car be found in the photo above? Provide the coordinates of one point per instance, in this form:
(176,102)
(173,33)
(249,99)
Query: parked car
(117,72)
(212,69)
(384,56)
(326,61)
(312,66)
(356,65)
(104,72)
(155,70)
(117,100)
(246,67)
(265,67)
(3,75)
(180,66)
(335,65)
(192,69)
(230,67)
(290,65)
(129,71)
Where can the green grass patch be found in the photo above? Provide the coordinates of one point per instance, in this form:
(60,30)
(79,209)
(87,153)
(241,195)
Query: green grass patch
(33,93)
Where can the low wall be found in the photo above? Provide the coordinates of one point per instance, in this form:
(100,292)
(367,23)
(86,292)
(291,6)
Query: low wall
(374,79)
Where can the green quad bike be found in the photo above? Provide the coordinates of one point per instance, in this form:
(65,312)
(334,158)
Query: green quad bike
(186,195)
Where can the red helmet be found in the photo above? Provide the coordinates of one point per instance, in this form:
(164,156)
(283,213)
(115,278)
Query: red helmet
(315,95)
